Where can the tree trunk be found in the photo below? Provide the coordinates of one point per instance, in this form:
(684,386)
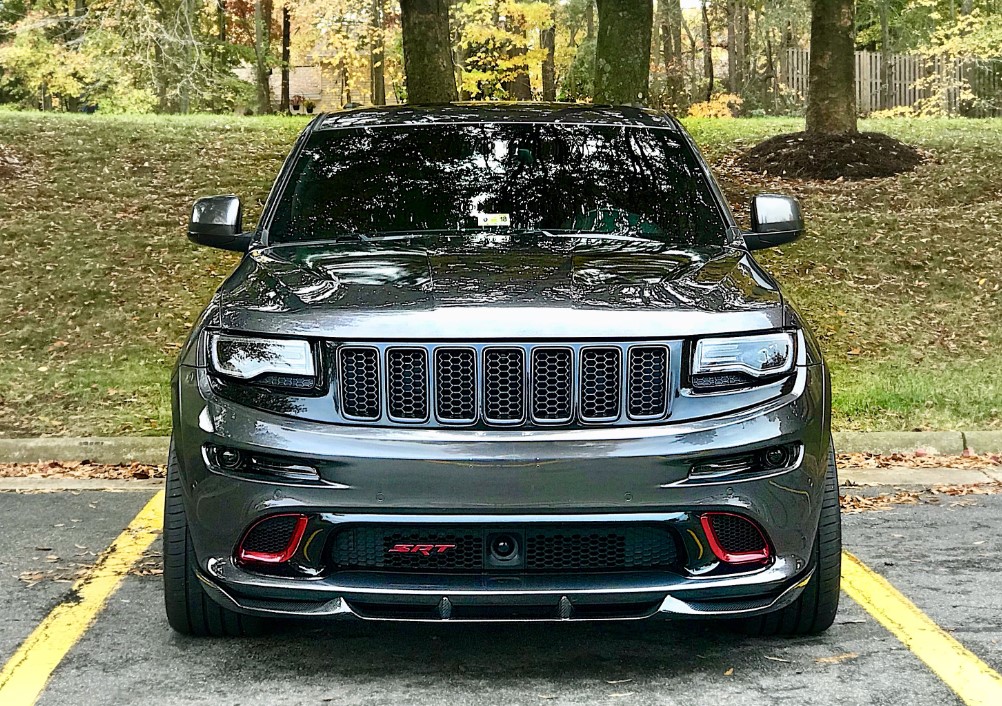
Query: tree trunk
(283,105)
(431,76)
(707,49)
(590,19)
(831,97)
(623,51)
(262,44)
(732,47)
(377,55)
(548,41)
(885,56)
(221,20)
(519,87)
(670,24)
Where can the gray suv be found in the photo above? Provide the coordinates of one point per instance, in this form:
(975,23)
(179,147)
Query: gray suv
(493,363)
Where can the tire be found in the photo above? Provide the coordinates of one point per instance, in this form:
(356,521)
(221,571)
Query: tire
(190,611)
(814,610)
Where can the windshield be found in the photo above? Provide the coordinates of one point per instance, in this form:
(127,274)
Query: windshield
(498,176)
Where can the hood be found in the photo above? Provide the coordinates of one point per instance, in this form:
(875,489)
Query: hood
(498,286)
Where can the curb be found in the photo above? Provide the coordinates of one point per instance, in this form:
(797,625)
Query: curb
(96,449)
(153,449)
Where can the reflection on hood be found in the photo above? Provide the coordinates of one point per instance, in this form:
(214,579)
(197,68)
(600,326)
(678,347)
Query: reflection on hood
(428,274)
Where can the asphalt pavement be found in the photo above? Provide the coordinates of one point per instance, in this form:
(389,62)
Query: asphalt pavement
(943,557)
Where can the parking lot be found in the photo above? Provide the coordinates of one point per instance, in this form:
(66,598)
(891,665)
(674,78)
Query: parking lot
(941,557)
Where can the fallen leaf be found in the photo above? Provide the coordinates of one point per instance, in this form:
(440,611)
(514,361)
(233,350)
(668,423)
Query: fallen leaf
(835,659)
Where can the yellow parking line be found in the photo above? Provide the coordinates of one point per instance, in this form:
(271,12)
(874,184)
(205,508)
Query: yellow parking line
(971,679)
(28,670)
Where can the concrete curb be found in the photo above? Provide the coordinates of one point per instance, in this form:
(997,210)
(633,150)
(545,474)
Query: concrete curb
(153,449)
(109,449)
(891,442)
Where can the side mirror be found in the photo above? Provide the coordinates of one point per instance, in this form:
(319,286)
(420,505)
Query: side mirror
(775,220)
(217,221)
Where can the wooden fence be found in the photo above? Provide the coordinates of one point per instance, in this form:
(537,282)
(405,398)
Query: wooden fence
(960,86)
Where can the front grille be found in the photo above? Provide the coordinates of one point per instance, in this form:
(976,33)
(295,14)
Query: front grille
(504,385)
(270,536)
(569,548)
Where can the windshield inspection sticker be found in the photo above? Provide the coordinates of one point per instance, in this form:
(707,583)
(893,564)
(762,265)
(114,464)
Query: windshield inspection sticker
(493,219)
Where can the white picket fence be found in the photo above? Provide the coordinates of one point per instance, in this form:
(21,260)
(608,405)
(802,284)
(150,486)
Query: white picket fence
(911,80)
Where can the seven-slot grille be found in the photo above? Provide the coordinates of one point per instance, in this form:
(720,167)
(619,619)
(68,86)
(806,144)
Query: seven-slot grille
(503,385)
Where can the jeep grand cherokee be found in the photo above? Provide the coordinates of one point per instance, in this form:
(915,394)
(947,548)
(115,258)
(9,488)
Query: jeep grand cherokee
(500,362)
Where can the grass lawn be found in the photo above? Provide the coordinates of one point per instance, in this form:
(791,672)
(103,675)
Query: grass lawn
(98,285)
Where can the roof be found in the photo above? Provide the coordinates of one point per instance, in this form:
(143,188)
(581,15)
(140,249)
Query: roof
(454,113)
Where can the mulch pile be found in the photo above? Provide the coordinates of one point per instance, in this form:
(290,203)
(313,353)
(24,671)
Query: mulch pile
(805,155)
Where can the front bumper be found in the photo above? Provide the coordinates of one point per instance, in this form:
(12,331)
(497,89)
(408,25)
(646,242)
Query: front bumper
(635,474)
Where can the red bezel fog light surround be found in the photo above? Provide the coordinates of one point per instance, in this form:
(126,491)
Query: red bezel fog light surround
(262,557)
(729,556)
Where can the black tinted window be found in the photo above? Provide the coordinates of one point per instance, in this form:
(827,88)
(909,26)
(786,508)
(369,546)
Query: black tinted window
(508,176)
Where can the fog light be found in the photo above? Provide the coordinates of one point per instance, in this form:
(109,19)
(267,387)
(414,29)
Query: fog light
(230,459)
(776,457)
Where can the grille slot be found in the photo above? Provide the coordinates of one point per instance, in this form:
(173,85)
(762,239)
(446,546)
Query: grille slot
(456,385)
(648,382)
(359,382)
(567,548)
(600,384)
(407,384)
(504,385)
(552,384)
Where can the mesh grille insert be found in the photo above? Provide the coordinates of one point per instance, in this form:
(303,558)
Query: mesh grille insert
(504,384)
(600,381)
(359,383)
(270,536)
(648,381)
(407,387)
(456,384)
(736,535)
(568,548)
(552,384)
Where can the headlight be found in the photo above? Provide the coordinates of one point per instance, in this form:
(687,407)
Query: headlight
(249,358)
(756,356)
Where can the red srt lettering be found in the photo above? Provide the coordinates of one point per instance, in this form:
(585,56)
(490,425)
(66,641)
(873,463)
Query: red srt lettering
(422,549)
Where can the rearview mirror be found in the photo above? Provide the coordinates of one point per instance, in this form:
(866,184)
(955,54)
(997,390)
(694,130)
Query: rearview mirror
(775,220)
(217,221)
